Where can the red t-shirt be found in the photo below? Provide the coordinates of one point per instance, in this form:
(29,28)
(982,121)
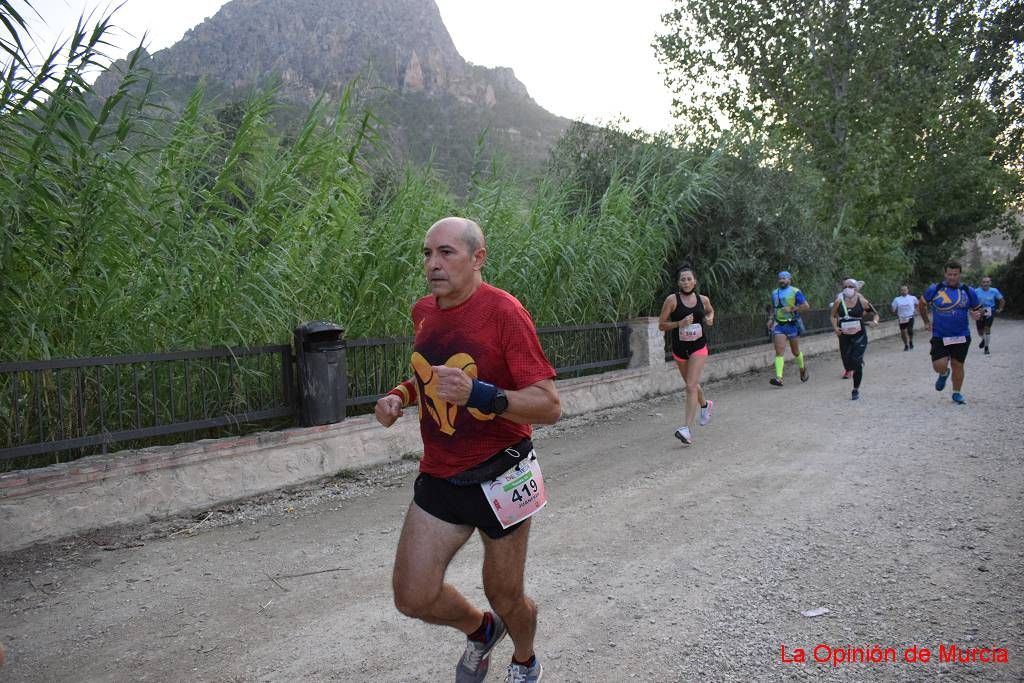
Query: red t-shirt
(492,337)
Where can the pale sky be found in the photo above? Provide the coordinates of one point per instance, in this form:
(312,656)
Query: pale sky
(578,58)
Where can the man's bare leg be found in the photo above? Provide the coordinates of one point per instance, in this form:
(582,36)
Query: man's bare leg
(504,570)
(426,547)
(958,375)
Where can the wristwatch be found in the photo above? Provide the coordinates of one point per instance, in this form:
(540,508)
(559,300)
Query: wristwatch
(499,404)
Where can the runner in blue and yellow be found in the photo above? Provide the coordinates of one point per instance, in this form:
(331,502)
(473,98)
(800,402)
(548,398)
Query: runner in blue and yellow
(950,304)
(787,302)
(992,303)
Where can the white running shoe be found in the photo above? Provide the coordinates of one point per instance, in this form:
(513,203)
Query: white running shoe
(518,673)
(683,434)
(705,413)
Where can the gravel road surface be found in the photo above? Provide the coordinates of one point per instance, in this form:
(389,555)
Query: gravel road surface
(902,514)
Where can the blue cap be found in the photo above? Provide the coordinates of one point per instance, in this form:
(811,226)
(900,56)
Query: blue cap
(785,274)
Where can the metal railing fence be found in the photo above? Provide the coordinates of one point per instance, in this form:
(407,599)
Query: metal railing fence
(68,408)
(580,350)
(83,405)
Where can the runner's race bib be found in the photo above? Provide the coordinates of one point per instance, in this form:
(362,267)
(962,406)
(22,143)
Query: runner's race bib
(518,493)
(906,320)
(691,332)
(850,326)
(987,311)
(951,341)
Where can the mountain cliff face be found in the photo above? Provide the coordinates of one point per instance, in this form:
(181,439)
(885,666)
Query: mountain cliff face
(411,73)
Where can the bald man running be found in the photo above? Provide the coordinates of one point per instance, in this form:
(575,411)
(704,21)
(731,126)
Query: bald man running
(480,381)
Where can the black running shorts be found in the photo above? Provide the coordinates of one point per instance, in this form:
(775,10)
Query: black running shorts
(984,323)
(957,352)
(909,325)
(465,505)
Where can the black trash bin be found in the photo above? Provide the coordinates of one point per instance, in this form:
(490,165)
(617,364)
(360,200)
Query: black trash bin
(322,375)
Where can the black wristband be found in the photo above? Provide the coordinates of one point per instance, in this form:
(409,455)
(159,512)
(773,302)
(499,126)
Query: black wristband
(482,395)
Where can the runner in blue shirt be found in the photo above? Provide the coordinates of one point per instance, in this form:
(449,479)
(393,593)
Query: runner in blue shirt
(992,303)
(787,302)
(949,305)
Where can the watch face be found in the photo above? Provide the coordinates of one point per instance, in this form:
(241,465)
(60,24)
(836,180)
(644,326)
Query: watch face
(500,403)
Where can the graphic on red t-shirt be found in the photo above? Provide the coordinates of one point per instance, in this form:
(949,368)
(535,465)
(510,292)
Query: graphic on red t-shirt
(492,337)
(444,413)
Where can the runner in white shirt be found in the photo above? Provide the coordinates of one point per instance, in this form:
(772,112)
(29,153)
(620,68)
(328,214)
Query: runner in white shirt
(904,306)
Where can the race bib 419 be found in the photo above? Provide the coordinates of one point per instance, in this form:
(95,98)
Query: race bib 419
(518,493)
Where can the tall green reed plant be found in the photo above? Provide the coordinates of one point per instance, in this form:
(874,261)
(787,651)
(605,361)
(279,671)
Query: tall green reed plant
(129,228)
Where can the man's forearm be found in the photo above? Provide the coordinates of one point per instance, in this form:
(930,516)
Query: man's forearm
(535,404)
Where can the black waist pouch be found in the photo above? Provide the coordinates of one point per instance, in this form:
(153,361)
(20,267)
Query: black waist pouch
(494,466)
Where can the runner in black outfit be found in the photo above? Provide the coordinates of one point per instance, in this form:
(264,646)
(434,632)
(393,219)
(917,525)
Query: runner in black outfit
(848,322)
(686,314)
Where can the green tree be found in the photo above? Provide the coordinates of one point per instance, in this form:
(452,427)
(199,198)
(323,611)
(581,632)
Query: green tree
(1009,278)
(737,227)
(877,97)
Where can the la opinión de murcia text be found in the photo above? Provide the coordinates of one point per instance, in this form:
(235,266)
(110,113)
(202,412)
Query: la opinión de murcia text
(840,655)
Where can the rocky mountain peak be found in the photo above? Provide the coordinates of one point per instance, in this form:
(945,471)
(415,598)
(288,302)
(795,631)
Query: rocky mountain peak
(320,45)
(400,49)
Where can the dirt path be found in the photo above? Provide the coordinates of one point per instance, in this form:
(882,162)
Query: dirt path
(901,513)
